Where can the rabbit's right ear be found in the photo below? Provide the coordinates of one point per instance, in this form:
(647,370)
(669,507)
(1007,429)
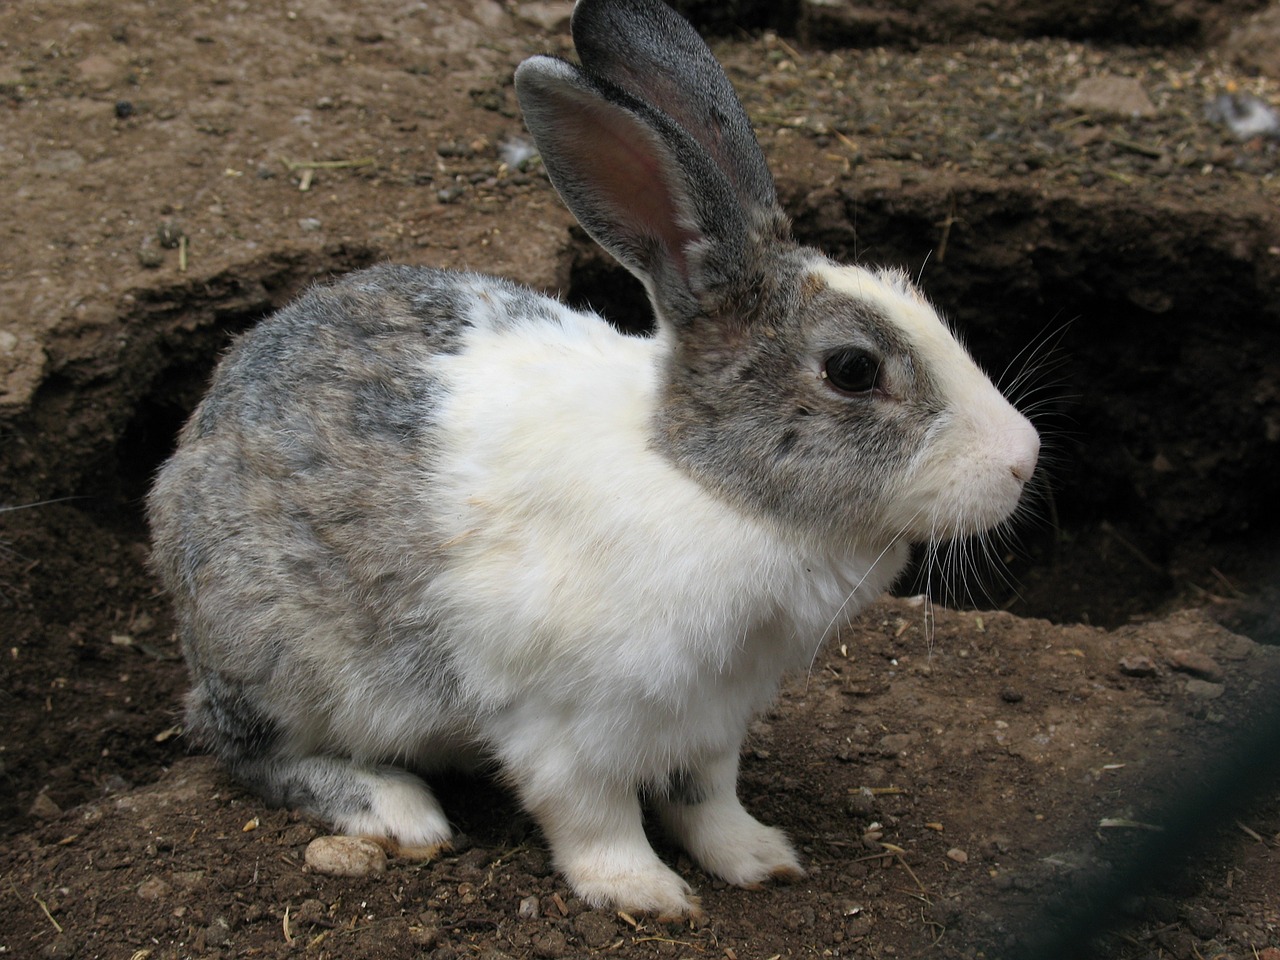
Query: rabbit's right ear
(641,185)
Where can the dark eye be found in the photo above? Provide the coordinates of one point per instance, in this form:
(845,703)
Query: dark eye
(852,371)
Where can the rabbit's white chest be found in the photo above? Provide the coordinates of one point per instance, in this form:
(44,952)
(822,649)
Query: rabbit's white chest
(583,572)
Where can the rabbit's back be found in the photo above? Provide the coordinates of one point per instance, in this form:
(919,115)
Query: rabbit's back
(352,360)
(296,517)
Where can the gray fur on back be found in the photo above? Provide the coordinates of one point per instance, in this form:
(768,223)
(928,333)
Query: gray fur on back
(295,495)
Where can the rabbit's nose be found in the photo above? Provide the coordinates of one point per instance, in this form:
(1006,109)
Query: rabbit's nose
(1026,455)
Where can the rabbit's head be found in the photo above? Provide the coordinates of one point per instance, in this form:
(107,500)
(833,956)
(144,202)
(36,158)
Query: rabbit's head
(832,398)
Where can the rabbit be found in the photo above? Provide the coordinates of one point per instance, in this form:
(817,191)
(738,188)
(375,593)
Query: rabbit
(427,519)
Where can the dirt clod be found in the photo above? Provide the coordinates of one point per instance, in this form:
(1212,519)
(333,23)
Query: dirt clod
(1137,665)
(1196,663)
(596,928)
(45,807)
(1204,689)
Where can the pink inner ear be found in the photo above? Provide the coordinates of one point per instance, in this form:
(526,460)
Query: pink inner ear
(629,173)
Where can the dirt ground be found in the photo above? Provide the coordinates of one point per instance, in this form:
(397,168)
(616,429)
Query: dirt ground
(961,783)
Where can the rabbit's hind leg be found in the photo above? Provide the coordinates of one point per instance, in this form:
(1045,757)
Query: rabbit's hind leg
(384,803)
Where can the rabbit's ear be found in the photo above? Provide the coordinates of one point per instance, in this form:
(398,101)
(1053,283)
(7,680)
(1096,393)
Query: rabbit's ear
(640,184)
(650,51)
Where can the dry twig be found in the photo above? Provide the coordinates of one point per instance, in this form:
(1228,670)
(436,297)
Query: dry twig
(45,907)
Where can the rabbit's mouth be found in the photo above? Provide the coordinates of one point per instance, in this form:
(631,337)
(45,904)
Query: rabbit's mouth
(972,478)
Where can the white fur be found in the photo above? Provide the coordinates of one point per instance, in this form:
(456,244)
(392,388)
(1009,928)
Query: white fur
(685,605)
(401,809)
(596,832)
(724,838)
(972,473)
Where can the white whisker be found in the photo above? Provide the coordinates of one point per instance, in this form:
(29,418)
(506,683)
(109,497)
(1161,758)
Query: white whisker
(835,618)
(923,264)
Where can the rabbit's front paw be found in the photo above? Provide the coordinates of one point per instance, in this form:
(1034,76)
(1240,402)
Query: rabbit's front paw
(730,843)
(644,887)
(751,855)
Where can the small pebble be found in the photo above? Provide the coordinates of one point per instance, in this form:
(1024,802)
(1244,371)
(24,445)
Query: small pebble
(44,808)
(297,835)
(150,256)
(454,148)
(1203,923)
(862,803)
(529,908)
(958,855)
(154,888)
(124,109)
(1108,94)
(345,857)
(169,234)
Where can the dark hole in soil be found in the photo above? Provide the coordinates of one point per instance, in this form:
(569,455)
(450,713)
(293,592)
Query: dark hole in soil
(1159,401)
(152,431)
(597,283)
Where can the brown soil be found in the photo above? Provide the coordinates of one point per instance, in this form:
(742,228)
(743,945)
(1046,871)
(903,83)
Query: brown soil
(960,783)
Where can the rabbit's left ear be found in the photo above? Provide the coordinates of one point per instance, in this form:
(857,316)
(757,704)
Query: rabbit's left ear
(643,187)
(650,51)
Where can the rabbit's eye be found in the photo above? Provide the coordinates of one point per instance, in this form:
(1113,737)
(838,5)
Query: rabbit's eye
(852,371)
